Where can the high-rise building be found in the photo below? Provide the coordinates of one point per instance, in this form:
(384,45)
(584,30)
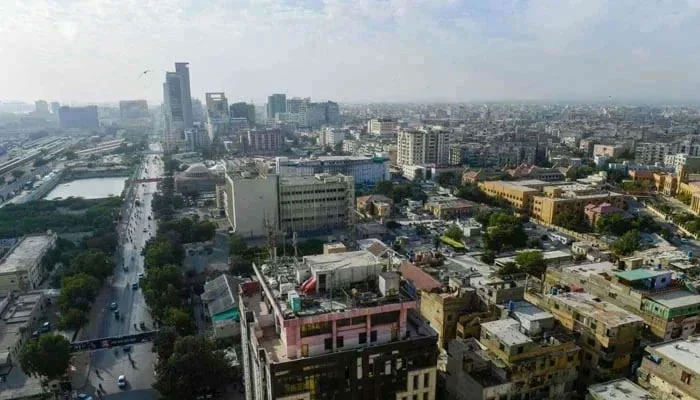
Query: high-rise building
(365,170)
(243,110)
(423,146)
(276,104)
(218,117)
(177,102)
(41,107)
(54,107)
(78,117)
(133,109)
(337,327)
(384,127)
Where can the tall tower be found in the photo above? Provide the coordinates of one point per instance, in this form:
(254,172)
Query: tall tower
(177,105)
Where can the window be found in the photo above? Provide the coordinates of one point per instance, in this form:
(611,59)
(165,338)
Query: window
(359,320)
(373,336)
(426,396)
(339,342)
(342,322)
(385,318)
(362,338)
(685,378)
(520,349)
(426,380)
(415,382)
(316,329)
(328,343)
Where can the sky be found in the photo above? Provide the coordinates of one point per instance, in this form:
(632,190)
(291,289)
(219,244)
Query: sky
(353,50)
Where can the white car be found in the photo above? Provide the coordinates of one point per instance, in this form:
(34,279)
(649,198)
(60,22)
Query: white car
(121,381)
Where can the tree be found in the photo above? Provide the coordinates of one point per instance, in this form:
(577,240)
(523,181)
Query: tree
(181,320)
(237,245)
(614,224)
(454,232)
(92,262)
(195,367)
(626,244)
(572,220)
(508,269)
(504,231)
(73,318)
(164,342)
(17,173)
(48,357)
(162,252)
(448,179)
(531,262)
(384,187)
(78,291)
(421,230)
(488,257)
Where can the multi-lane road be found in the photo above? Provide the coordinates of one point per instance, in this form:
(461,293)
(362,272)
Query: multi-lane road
(136,227)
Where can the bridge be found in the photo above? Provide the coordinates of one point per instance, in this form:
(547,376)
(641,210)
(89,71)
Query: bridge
(146,180)
(112,342)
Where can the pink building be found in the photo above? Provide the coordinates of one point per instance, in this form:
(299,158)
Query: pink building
(594,212)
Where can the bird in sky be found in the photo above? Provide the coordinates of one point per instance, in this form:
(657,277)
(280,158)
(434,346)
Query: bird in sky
(144,73)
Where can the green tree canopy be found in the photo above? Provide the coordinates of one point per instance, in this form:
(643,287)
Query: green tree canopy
(49,356)
(531,262)
(195,367)
(92,262)
(454,232)
(181,320)
(626,244)
(78,291)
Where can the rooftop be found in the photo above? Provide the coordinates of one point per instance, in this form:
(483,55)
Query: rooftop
(334,261)
(682,351)
(507,331)
(677,299)
(25,253)
(525,310)
(590,305)
(619,389)
(589,269)
(220,294)
(640,274)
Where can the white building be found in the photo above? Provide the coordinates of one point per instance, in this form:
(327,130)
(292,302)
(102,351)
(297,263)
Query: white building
(384,127)
(20,268)
(365,170)
(423,146)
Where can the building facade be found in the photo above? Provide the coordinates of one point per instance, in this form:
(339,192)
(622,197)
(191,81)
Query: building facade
(670,370)
(428,146)
(177,106)
(262,141)
(78,117)
(276,105)
(20,267)
(365,170)
(382,127)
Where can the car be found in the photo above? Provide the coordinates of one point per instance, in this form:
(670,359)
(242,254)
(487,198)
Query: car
(145,230)
(135,285)
(113,306)
(141,276)
(121,381)
(116,314)
(45,327)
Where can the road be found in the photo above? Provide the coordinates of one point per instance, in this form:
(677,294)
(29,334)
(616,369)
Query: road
(138,226)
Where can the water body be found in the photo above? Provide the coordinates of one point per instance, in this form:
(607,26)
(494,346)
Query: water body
(93,188)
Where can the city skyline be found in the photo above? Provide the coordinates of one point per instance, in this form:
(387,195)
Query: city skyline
(395,51)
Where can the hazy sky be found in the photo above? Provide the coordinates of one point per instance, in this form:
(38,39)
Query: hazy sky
(354,50)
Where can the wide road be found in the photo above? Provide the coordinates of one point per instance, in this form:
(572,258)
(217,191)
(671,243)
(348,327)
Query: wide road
(136,228)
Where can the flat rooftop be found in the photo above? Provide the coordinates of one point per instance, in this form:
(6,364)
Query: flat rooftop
(525,310)
(677,299)
(619,389)
(590,305)
(641,274)
(589,269)
(507,331)
(333,261)
(25,253)
(683,351)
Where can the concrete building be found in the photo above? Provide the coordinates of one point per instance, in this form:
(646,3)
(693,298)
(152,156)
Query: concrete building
(130,110)
(516,193)
(594,211)
(670,370)
(220,299)
(243,110)
(608,334)
(618,389)
(20,267)
(668,309)
(196,138)
(20,316)
(41,107)
(262,141)
(423,146)
(519,357)
(570,198)
(449,208)
(218,117)
(442,311)
(330,137)
(608,150)
(375,205)
(365,170)
(383,127)
(78,117)
(196,179)
(177,106)
(276,105)
(333,326)
(302,204)
(652,153)
(55,106)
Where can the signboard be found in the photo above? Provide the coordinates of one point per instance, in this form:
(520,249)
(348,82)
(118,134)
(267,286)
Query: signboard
(109,342)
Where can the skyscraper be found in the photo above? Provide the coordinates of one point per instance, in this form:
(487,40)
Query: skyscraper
(41,107)
(177,105)
(423,146)
(243,110)
(218,119)
(276,104)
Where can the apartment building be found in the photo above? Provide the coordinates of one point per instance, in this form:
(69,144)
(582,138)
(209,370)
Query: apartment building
(333,326)
(20,267)
(519,194)
(608,150)
(382,127)
(302,204)
(652,153)
(607,334)
(669,310)
(442,311)
(671,370)
(19,318)
(622,388)
(423,146)
(262,141)
(523,356)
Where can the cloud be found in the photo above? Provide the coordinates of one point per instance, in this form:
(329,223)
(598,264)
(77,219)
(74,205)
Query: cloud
(360,50)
